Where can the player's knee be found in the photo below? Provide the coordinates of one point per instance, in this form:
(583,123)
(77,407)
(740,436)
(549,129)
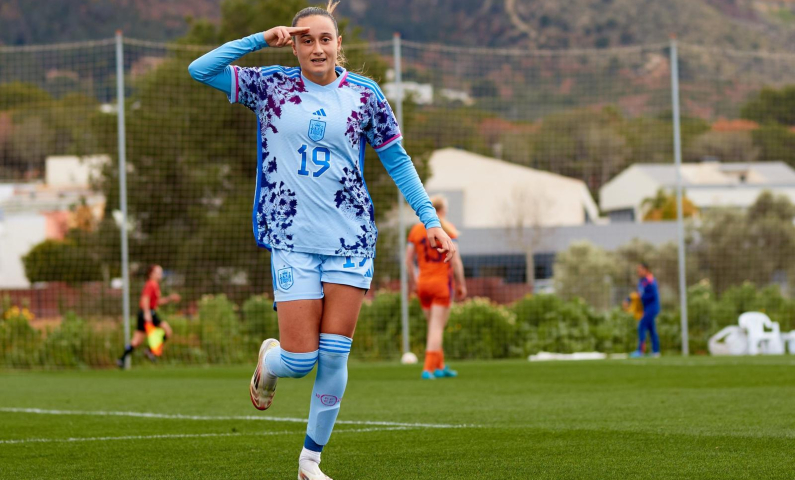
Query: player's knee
(333,357)
(333,361)
(298,367)
(299,373)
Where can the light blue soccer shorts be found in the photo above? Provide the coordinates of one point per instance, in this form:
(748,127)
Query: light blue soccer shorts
(300,276)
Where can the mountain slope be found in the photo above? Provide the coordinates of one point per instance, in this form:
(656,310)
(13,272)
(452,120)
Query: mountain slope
(25,22)
(741,24)
(574,23)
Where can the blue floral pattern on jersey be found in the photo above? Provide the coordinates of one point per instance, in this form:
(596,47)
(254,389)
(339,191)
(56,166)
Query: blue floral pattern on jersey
(382,126)
(276,210)
(277,205)
(352,199)
(354,202)
(364,245)
(374,118)
(358,118)
(282,211)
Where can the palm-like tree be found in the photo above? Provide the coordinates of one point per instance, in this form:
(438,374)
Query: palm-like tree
(662,206)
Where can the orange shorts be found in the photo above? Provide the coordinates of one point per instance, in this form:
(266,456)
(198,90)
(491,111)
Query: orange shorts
(434,293)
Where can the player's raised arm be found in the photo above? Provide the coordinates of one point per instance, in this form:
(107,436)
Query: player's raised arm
(213,68)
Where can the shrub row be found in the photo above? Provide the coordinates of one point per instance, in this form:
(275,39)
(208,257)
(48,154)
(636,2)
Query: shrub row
(222,332)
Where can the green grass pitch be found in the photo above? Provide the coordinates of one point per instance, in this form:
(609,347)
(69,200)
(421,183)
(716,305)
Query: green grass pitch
(683,418)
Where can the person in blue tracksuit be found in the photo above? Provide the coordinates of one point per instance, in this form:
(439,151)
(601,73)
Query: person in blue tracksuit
(650,297)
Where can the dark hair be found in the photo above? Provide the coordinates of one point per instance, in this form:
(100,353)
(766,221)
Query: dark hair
(151,268)
(323,12)
(645,266)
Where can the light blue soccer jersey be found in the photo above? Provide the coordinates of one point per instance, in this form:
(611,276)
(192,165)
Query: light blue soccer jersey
(311,196)
(310,191)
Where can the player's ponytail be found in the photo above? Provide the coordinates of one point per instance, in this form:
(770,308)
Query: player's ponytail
(332,5)
(324,12)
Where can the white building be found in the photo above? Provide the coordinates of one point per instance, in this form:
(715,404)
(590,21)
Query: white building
(74,172)
(485,192)
(707,185)
(18,234)
(420,93)
(33,212)
(423,94)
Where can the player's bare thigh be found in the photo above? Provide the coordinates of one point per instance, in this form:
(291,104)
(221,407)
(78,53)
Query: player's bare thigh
(167,328)
(341,307)
(299,325)
(138,338)
(438,314)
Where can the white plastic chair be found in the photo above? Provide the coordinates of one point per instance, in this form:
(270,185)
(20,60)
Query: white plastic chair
(789,339)
(732,340)
(768,342)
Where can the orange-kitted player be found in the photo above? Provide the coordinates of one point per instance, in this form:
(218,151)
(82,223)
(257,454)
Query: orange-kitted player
(435,287)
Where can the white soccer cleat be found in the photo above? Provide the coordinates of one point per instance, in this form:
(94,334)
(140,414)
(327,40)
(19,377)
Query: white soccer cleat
(263,384)
(311,471)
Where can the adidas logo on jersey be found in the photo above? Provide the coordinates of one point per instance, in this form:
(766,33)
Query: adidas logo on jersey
(369,273)
(320,113)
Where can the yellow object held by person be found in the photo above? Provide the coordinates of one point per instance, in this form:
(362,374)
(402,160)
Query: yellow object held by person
(635,306)
(155,337)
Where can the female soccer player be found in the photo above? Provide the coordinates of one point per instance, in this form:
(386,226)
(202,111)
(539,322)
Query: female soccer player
(312,207)
(435,288)
(147,313)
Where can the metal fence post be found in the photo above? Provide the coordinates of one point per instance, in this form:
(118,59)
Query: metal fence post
(679,214)
(125,260)
(404,286)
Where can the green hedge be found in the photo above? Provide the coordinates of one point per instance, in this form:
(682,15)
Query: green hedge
(223,333)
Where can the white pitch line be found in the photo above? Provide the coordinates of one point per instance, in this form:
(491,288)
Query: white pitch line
(178,435)
(100,413)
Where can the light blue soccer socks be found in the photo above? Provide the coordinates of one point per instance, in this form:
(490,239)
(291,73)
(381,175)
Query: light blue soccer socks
(281,363)
(330,382)
(332,377)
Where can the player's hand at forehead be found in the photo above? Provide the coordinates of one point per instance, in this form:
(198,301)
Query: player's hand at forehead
(441,242)
(283,36)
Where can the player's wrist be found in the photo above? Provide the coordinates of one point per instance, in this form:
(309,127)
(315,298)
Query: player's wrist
(259,39)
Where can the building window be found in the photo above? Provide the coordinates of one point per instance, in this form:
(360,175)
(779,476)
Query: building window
(510,268)
(623,215)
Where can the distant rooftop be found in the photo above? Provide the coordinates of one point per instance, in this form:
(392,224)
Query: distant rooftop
(496,193)
(503,241)
(721,174)
(709,184)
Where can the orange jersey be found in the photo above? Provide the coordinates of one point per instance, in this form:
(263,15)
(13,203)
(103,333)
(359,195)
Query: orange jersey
(433,270)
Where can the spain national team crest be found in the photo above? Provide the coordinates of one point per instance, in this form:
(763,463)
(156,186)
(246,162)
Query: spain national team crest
(285,278)
(317,130)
